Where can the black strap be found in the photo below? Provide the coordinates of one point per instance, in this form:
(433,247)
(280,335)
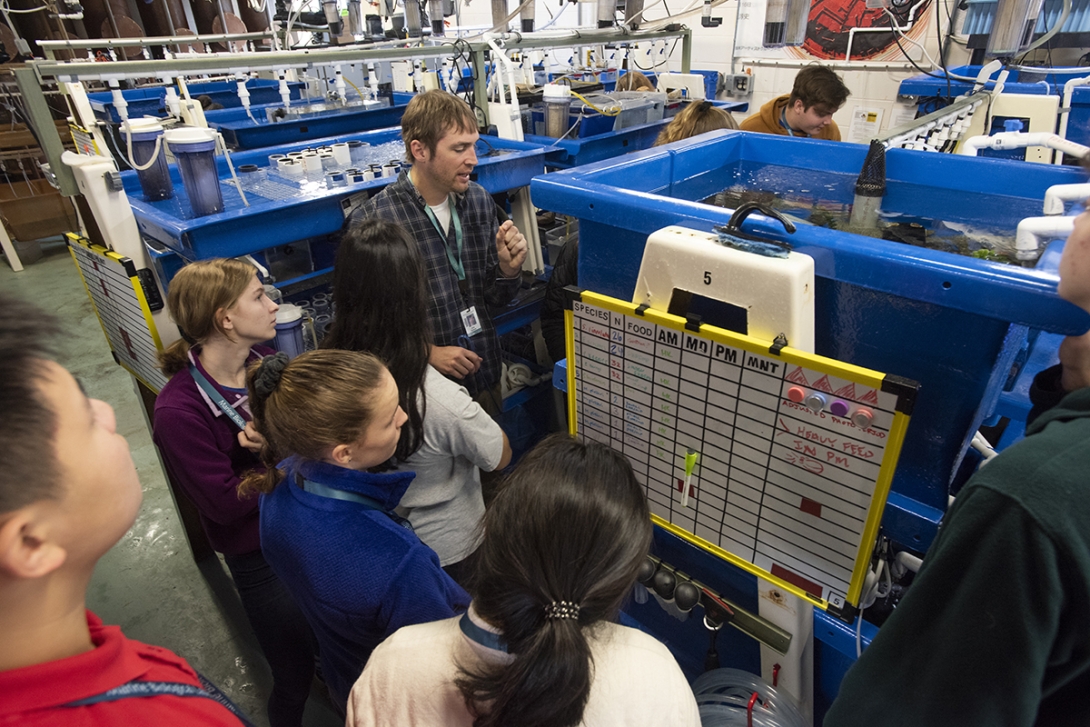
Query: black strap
(135,688)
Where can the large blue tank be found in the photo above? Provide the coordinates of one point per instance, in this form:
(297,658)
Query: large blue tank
(955,324)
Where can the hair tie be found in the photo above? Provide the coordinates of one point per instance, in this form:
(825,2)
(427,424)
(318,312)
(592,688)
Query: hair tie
(561,610)
(268,374)
(186,337)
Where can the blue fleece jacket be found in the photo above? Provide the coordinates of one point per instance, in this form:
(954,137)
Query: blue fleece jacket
(357,574)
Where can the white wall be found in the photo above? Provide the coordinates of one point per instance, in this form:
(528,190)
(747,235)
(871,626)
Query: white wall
(873,84)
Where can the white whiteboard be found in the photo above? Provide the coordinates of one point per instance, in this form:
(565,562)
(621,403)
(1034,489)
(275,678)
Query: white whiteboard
(785,488)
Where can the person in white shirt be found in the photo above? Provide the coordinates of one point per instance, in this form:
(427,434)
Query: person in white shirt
(380,307)
(563,541)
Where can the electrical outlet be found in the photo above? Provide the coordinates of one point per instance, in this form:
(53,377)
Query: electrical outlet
(739,85)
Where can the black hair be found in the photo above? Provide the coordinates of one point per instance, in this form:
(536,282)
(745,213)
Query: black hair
(566,534)
(381,307)
(30,470)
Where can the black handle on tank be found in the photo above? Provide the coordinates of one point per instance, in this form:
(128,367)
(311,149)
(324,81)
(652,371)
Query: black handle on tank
(734,225)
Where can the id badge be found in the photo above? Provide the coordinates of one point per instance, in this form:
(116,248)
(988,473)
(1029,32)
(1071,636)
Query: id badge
(471,321)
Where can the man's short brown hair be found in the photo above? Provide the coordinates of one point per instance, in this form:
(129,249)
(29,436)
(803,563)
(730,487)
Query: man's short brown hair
(819,86)
(430,115)
(30,470)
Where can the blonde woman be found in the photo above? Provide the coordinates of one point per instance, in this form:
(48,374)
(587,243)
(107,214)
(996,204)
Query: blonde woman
(202,430)
(698,117)
(634,81)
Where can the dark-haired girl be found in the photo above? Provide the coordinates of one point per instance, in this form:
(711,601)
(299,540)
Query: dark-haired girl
(381,302)
(327,524)
(563,541)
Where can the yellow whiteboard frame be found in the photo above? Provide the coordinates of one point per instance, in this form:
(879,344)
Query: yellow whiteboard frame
(858,374)
(130,272)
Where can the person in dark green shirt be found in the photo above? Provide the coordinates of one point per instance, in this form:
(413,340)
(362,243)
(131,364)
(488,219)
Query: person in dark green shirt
(995,629)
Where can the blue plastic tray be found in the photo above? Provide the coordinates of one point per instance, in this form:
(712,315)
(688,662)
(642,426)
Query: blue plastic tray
(586,150)
(242,133)
(239,230)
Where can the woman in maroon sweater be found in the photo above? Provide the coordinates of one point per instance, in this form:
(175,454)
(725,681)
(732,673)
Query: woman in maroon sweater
(202,430)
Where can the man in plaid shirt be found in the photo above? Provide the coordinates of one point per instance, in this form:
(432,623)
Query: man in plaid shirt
(472,261)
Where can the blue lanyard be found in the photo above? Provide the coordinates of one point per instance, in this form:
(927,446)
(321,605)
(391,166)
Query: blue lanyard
(784,124)
(135,689)
(317,488)
(485,638)
(216,397)
(456,263)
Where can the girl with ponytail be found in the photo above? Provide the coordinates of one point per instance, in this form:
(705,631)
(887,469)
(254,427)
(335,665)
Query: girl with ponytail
(562,544)
(328,527)
(203,432)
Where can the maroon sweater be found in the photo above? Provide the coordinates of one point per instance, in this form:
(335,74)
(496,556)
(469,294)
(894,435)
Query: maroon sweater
(199,444)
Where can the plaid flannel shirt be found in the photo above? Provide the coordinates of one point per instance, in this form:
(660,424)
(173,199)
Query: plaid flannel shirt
(485,285)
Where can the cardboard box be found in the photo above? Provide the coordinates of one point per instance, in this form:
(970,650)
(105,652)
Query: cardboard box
(32,216)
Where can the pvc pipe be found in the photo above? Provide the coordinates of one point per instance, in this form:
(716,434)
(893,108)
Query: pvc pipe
(285,92)
(506,62)
(120,104)
(984,447)
(1032,230)
(338,83)
(1065,110)
(1057,194)
(1019,140)
(372,81)
(244,96)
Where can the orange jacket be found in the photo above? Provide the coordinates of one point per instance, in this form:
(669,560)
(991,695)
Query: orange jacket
(767,121)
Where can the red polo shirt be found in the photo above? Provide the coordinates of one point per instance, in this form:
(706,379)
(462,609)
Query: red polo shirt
(36,695)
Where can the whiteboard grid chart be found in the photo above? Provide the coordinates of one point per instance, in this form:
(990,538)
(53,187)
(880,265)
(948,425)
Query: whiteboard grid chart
(115,292)
(780,482)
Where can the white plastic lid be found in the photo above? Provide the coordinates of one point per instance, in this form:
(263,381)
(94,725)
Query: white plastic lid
(288,313)
(556,92)
(189,135)
(141,125)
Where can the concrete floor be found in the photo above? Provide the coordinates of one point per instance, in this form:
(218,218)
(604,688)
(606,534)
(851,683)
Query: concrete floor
(148,583)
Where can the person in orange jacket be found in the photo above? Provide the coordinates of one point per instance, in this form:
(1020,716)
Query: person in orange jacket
(807,111)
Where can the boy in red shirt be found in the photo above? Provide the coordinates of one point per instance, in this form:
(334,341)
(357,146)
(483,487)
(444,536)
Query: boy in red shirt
(68,492)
